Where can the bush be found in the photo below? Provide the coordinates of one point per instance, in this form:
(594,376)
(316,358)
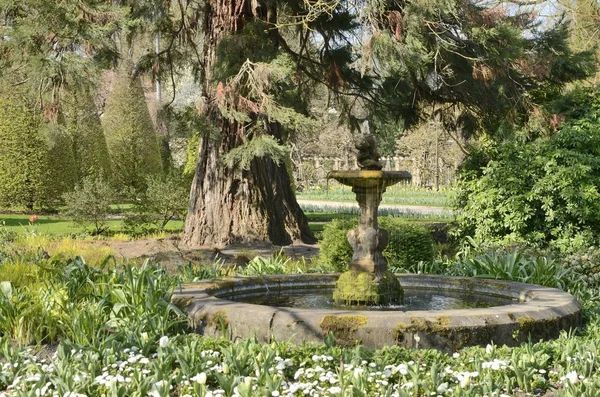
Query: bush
(165,199)
(543,192)
(89,204)
(335,250)
(408,244)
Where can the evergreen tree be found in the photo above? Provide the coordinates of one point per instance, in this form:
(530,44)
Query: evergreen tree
(61,171)
(23,153)
(486,64)
(130,136)
(89,144)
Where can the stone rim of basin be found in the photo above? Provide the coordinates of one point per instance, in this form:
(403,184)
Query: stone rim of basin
(543,313)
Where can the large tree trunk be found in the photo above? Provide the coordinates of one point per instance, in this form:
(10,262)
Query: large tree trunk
(230,205)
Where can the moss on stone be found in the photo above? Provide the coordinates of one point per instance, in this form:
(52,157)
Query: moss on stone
(526,323)
(218,320)
(363,288)
(344,328)
(181,302)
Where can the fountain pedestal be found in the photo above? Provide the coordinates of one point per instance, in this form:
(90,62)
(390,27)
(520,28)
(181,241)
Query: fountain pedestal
(368,281)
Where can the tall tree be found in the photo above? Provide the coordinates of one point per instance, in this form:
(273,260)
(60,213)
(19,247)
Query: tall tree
(130,136)
(23,152)
(89,143)
(242,189)
(482,60)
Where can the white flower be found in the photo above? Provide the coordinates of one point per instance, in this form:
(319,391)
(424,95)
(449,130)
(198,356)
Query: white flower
(456,355)
(200,378)
(335,390)
(417,338)
(443,387)
(163,341)
(489,349)
(572,377)
(144,336)
(403,369)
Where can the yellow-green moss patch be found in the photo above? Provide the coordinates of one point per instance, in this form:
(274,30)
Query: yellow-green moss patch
(344,328)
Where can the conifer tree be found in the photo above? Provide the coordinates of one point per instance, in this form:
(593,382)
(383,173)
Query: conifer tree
(130,136)
(89,144)
(61,171)
(486,64)
(23,152)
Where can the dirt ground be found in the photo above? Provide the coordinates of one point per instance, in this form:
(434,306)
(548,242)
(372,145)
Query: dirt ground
(167,251)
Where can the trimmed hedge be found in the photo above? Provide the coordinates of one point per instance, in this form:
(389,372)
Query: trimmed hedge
(408,243)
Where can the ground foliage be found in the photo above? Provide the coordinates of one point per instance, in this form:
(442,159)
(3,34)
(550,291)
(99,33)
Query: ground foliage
(119,335)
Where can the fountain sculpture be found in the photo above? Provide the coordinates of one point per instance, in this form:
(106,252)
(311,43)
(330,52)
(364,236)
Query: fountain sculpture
(368,280)
(515,312)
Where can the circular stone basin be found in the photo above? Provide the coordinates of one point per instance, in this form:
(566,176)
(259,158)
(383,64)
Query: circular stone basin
(369,178)
(532,312)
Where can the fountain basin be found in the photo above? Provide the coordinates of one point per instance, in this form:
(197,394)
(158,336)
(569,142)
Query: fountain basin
(541,313)
(369,178)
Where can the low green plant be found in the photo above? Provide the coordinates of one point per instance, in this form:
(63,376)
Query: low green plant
(191,272)
(335,250)
(408,244)
(89,204)
(91,306)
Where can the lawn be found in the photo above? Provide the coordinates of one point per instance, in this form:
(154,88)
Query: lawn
(398,194)
(58,225)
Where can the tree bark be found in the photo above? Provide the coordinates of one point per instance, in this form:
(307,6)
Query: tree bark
(230,205)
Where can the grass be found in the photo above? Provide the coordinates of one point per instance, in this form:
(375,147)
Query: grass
(398,194)
(61,226)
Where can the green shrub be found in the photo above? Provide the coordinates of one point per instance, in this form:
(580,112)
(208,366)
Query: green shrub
(543,192)
(335,250)
(408,244)
(165,199)
(89,204)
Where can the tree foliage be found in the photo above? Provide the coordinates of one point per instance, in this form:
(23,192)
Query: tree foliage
(23,152)
(61,173)
(89,144)
(49,46)
(544,191)
(130,135)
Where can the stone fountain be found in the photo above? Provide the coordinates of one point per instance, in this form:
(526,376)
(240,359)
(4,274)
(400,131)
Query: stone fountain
(368,280)
(514,312)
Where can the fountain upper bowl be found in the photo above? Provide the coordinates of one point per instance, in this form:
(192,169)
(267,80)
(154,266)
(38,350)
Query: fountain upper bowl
(369,178)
